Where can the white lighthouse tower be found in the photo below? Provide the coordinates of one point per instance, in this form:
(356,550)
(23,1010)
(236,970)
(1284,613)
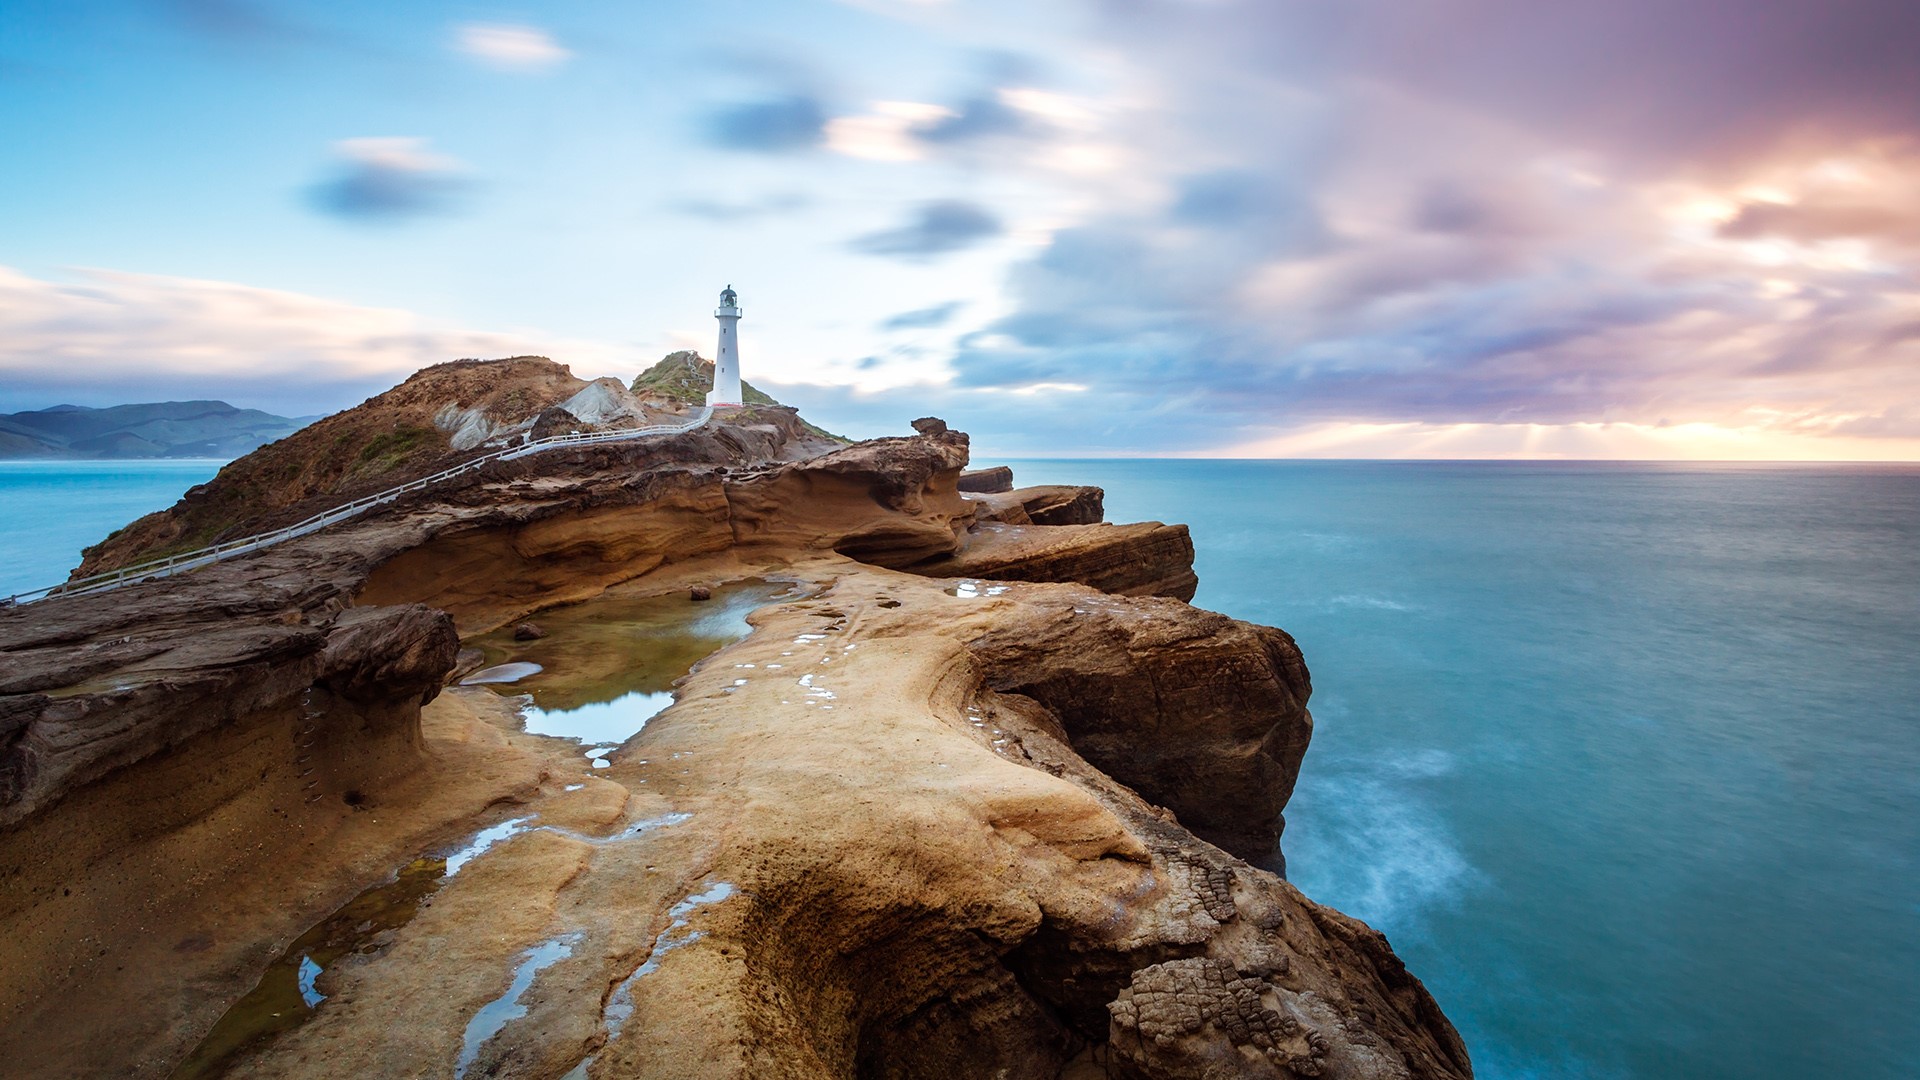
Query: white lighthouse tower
(726,360)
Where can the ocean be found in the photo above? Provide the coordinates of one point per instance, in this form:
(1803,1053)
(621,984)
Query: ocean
(1623,758)
(49,510)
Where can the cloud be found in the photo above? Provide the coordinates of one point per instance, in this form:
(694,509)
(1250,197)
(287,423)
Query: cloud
(1816,221)
(923,318)
(234,20)
(388,179)
(111,337)
(1662,81)
(779,125)
(1305,236)
(978,117)
(936,228)
(774,205)
(1002,106)
(509,47)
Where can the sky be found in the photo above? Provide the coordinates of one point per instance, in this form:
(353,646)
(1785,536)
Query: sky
(1241,228)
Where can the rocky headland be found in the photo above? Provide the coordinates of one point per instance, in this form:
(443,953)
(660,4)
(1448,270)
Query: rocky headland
(979,795)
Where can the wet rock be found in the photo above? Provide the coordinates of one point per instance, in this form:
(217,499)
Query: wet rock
(528,631)
(700,592)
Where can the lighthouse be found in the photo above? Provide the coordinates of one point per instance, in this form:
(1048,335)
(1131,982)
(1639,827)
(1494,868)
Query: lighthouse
(726,359)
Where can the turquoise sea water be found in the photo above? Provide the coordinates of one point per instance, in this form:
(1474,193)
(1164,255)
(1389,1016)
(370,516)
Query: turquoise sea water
(1625,759)
(49,510)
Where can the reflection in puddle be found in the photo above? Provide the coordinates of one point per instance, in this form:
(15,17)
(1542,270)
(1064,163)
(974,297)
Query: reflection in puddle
(607,666)
(309,976)
(501,673)
(503,1010)
(614,645)
(613,721)
(968,589)
(288,993)
(619,1008)
(483,840)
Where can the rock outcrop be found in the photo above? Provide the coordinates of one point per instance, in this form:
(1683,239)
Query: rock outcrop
(983,802)
(1199,713)
(1142,559)
(998,478)
(1054,504)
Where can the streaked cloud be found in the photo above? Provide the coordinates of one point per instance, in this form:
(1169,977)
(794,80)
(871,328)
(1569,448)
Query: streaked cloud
(239,21)
(765,206)
(978,117)
(109,337)
(511,47)
(777,125)
(889,132)
(387,179)
(934,228)
(923,318)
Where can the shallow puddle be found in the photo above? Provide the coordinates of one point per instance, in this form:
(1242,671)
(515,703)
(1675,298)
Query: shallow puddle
(607,666)
(500,673)
(503,1010)
(619,1007)
(287,995)
(613,721)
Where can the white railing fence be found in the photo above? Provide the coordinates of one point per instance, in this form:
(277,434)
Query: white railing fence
(188,560)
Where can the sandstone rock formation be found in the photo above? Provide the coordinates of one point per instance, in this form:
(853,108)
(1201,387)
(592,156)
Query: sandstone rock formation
(1142,559)
(1046,505)
(998,478)
(979,804)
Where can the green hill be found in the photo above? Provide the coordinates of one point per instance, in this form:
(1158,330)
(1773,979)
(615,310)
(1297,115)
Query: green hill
(685,377)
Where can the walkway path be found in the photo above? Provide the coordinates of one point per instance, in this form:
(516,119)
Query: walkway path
(188,560)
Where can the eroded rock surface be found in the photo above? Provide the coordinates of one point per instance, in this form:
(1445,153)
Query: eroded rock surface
(998,478)
(1053,504)
(1143,559)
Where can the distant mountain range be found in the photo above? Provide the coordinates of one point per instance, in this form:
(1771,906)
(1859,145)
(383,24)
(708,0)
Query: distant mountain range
(161,429)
